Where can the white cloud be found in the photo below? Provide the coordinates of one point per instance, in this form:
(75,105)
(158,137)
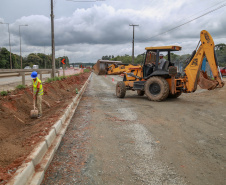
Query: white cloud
(103,28)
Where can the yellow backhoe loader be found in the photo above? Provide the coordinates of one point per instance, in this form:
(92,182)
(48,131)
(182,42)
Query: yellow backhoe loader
(158,84)
(102,66)
(107,67)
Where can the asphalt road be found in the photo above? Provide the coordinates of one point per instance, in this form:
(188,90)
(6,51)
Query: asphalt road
(136,141)
(10,83)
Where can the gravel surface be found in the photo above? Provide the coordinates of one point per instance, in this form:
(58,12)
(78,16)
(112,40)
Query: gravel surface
(136,141)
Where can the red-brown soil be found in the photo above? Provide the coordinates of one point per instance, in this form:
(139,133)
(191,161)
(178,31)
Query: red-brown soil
(19,134)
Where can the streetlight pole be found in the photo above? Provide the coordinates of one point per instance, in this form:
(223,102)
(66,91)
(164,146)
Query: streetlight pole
(9,45)
(20,46)
(133,42)
(53,42)
(45,55)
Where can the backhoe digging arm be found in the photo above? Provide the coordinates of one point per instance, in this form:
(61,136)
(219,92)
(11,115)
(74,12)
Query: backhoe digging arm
(193,69)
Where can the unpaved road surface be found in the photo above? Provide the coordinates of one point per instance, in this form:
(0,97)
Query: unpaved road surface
(135,141)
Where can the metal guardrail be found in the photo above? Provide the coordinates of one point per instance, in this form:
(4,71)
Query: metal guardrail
(22,72)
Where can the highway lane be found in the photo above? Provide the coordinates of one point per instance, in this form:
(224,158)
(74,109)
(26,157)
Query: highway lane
(9,83)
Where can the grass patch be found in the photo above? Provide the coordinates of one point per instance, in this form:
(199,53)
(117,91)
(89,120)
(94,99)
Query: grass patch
(3,93)
(49,80)
(55,79)
(20,87)
(86,70)
(62,77)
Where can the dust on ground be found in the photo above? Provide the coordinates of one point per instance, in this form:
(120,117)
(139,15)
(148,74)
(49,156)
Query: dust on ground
(19,134)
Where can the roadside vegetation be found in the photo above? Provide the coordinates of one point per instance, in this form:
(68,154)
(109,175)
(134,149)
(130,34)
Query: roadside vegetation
(86,70)
(40,59)
(20,87)
(3,93)
(55,79)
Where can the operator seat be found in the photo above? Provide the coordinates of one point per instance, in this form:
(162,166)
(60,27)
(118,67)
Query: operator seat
(165,65)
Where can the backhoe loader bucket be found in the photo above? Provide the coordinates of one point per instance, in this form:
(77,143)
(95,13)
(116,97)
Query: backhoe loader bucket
(101,67)
(205,82)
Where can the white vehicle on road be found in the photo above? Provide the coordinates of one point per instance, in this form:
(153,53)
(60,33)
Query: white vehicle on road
(27,67)
(35,67)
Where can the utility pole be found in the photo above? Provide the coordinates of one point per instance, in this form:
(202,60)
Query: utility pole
(45,55)
(133,43)
(21,66)
(53,43)
(59,60)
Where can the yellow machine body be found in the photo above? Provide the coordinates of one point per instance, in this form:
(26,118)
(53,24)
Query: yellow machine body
(158,84)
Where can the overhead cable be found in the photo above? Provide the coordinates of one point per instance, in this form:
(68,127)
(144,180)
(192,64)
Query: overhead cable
(182,24)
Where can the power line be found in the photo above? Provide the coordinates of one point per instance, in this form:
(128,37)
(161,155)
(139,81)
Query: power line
(183,23)
(85,1)
(199,11)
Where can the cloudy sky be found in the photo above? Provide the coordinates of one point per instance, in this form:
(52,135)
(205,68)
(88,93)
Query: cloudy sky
(86,31)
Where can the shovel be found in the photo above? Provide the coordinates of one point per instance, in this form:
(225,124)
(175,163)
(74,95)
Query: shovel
(34,113)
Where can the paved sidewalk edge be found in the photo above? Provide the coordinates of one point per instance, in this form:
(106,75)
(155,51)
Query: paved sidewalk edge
(32,172)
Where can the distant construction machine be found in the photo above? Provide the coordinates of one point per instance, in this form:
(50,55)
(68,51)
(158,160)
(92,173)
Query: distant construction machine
(158,84)
(107,67)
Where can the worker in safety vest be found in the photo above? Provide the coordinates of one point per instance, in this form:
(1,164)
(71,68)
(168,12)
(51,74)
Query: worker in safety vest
(37,92)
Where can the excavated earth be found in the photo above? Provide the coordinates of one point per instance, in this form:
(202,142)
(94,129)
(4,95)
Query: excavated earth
(19,134)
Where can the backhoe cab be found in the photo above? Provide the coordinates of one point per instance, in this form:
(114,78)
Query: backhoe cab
(160,83)
(152,58)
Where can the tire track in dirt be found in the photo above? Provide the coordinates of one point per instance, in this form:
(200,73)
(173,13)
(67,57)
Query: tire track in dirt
(120,149)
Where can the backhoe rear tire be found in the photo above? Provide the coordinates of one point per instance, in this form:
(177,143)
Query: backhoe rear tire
(156,89)
(120,89)
(140,93)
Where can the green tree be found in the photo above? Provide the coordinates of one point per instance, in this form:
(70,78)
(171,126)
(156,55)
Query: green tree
(4,58)
(32,59)
(221,54)
(3,63)
(220,46)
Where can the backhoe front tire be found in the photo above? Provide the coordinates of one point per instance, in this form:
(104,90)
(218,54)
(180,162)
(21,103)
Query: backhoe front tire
(120,89)
(140,93)
(156,89)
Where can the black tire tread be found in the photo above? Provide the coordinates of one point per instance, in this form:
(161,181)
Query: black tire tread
(164,93)
(122,92)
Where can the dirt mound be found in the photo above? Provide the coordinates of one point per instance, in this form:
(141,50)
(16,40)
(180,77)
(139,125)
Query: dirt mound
(19,134)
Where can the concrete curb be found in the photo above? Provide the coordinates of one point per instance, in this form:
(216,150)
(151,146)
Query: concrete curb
(32,172)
